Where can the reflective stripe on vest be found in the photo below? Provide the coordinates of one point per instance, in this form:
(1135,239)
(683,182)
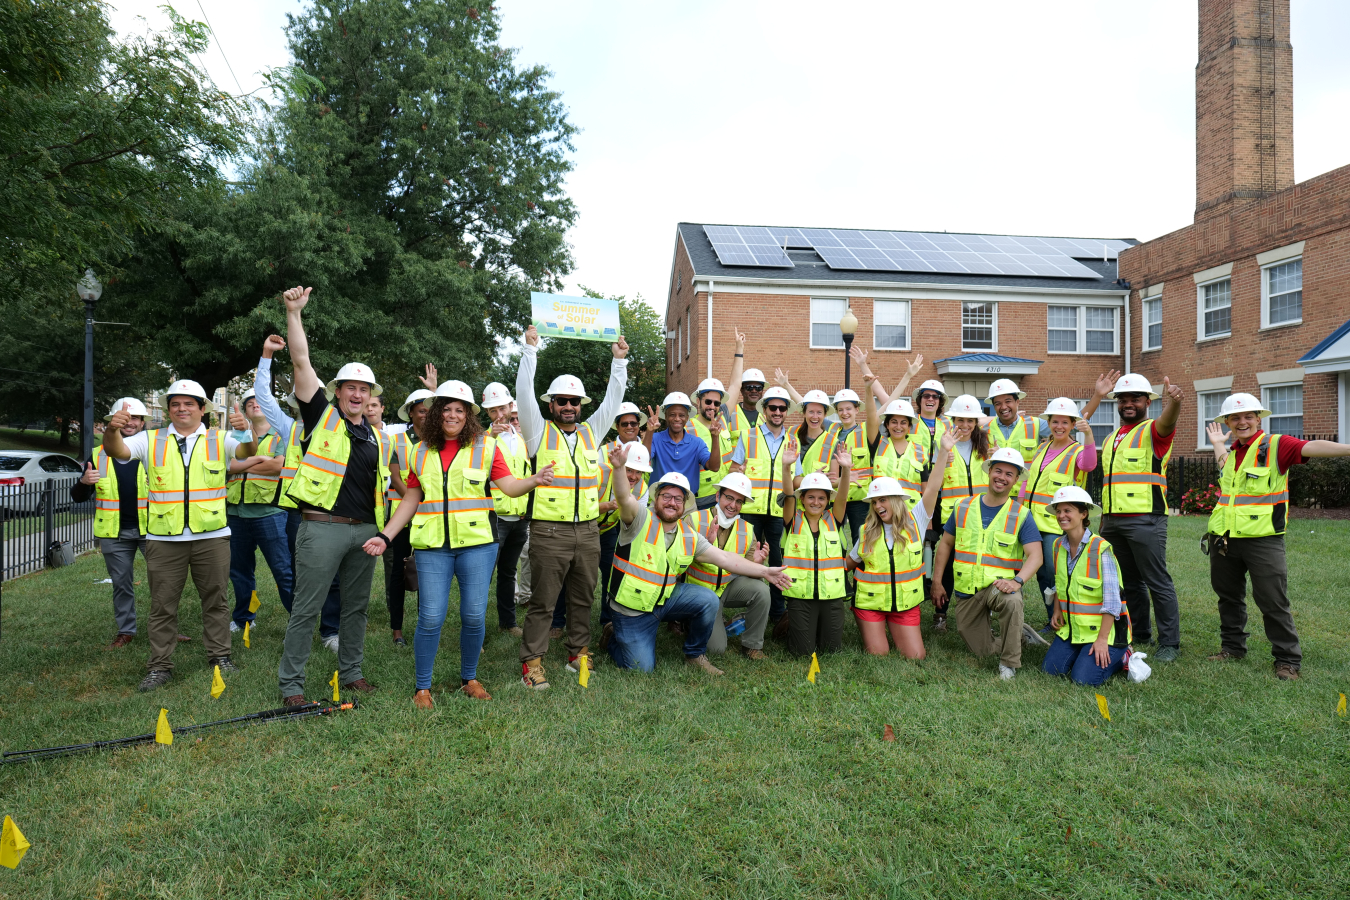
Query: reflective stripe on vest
(1253,499)
(905,467)
(961,480)
(455,506)
(707,481)
(1042,482)
(816,458)
(652,569)
(575,492)
(860,471)
(761,467)
(318,478)
(191,496)
(984,555)
(108,501)
(890,579)
(290,464)
(814,561)
(518,461)
(260,490)
(710,576)
(1079,595)
(1024,438)
(1134,480)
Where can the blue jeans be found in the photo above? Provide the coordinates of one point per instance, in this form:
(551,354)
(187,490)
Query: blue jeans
(1045,575)
(331,613)
(435,569)
(247,537)
(1075,660)
(634,642)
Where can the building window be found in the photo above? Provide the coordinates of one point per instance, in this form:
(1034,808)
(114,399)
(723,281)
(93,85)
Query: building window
(1153,323)
(689,332)
(679,342)
(1155,408)
(1085,329)
(1282,286)
(1208,403)
(1285,402)
(1063,329)
(825,316)
(679,282)
(890,324)
(1103,420)
(1216,309)
(979,326)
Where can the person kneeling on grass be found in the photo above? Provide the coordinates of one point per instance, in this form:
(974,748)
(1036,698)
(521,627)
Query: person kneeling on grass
(1092,626)
(814,555)
(664,545)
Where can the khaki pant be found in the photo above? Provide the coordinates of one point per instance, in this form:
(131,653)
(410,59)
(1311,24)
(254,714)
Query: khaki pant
(749,594)
(561,553)
(972,621)
(167,564)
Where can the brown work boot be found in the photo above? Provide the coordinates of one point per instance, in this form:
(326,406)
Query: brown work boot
(475,690)
(780,629)
(422,699)
(1286,672)
(754,654)
(553,633)
(532,674)
(361,685)
(294,700)
(1224,656)
(121,641)
(606,635)
(702,662)
(574,662)
(514,631)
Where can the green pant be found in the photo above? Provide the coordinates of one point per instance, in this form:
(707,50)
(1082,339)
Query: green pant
(322,550)
(752,595)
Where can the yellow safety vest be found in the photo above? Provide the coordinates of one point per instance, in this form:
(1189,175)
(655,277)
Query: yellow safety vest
(1025,438)
(1078,594)
(739,423)
(518,461)
(906,468)
(400,459)
(651,569)
(707,481)
(262,490)
(961,480)
(984,555)
(1253,499)
(761,467)
(612,519)
(814,560)
(575,492)
(816,458)
(107,502)
(192,497)
(929,440)
(1134,480)
(1043,482)
(710,576)
(456,502)
(891,578)
(321,470)
(860,472)
(290,464)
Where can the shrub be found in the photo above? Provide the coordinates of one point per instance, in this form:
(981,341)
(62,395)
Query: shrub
(1199,501)
(1321,482)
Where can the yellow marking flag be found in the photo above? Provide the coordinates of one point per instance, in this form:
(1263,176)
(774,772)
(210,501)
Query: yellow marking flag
(163,733)
(334,683)
(13,845)
(1340,707)
(584,673)
(246,624)
(1102,708)
(217,684)
(812,672)
(253,603)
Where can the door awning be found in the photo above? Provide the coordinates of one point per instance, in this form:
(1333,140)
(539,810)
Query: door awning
(1332,354)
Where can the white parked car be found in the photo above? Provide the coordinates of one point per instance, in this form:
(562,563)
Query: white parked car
(23,477)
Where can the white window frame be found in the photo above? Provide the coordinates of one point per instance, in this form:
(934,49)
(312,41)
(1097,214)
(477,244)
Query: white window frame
(812,321)
(994,326)
(689,332)
(1265,295)
(1115,417)
(1202,439)
(877,307)
(1200,335)
(1080,339)
(1156,298)
(679,342)
(1265,401)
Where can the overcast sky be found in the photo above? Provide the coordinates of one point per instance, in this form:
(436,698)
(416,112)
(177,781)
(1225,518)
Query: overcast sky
(1059,117)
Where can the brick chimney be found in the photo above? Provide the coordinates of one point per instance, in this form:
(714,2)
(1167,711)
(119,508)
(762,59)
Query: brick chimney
(1244,104)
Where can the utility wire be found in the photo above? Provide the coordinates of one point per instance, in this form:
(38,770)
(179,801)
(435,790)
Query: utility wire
(220,47)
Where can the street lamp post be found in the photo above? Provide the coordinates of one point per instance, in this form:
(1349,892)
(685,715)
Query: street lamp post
(90,289)
(848,325)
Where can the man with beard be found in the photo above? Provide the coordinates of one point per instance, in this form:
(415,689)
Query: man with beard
(725,529)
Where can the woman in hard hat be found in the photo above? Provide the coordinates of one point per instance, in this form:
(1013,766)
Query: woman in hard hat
(962,476)
(1092,625)
(709,409)
(851,433)
(1246,529)
(449,503)
(816,436)
(894,455)
(813,555)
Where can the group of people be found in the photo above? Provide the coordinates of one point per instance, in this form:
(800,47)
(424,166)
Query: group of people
(707,504)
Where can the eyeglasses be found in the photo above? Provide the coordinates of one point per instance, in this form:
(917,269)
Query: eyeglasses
(753,387)
(629,423)
(735,501)
(567,401)
(776,408)
(929,395)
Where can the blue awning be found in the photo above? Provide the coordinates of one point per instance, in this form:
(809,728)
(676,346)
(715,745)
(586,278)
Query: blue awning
(995,364)
(1332,353)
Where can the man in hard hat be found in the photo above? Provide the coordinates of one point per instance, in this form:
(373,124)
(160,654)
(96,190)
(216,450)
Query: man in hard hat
(186,528)
(339,488)
(564,526)
(1133,462)
(513,520)
(709,409)
(405,438)
(120,507)
(256,520)
(724,529)
(1010,428)
(1246,529)
(664,544)
(675,448)
(995,547)
(747,390)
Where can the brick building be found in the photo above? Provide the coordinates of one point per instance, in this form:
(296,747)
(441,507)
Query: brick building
(1254,294)
(1053,326)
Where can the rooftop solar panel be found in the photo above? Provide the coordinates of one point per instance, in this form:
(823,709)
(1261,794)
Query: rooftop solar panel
(746,246)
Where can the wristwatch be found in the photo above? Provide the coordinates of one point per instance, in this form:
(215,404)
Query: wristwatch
(1018,579)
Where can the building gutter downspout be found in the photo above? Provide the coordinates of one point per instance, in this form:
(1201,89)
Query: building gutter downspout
(710,329)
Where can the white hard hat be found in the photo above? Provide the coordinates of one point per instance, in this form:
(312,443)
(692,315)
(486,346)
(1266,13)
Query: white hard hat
(754,375)
(931,385)
(815,481)
(626,409)
(677,479)
(414,398)
(566,386)
(965,406)
(774,393)
(1005,455)
(737,483)
(355,372)
(900,407)
(639,457)
(248,395)
(496,394)
(1240,403)
(134,408)
(847,396)
(187,388)
(1134,383)
(883,487)
(1070,493)
(816,397)
(675,398)
(291,401)
(1061,406)
(1004,386)
(710,384)
(457,390)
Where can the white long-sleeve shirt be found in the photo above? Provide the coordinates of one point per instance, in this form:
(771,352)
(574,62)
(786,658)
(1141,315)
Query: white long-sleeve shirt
(532,423)
(271,410)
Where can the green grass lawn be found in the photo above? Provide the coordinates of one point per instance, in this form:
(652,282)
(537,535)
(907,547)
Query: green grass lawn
(1210,781)
(14,439)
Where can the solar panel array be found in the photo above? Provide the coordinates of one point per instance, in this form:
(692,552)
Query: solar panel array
(912,251)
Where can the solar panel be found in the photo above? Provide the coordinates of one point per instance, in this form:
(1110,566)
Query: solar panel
(746,246)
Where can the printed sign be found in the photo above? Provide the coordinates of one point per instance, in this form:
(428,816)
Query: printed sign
(584,318)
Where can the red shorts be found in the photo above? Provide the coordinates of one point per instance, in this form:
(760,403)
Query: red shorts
(908,617)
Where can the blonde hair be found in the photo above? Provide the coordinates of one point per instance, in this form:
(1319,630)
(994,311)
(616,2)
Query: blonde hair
(874,528)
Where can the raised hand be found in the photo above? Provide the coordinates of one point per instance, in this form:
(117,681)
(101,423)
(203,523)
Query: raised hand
(948,441)
(619,348)
(273,344)
(532,335)
(780,377)
(1217,436)
(500,428)
(868,378)
(90,475)
(121,418)
(295,298)
(715,427)
(544,477)
(1082,427)
(429,379)
(1106,382)
(1172,391)
(843,456)
(740,340)
(858,355)
(653,420)
(618,455)
(760,552)
(237,420)
(790,453)
(915,365)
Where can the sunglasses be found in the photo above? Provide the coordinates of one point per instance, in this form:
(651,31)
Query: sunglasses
(629,423)
(711,402)
(776,408)
(567,401)
(753,388)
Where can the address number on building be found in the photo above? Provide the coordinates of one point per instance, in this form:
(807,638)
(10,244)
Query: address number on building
(993,368)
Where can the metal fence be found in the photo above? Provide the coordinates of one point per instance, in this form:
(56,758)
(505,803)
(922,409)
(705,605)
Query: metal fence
(36,516)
